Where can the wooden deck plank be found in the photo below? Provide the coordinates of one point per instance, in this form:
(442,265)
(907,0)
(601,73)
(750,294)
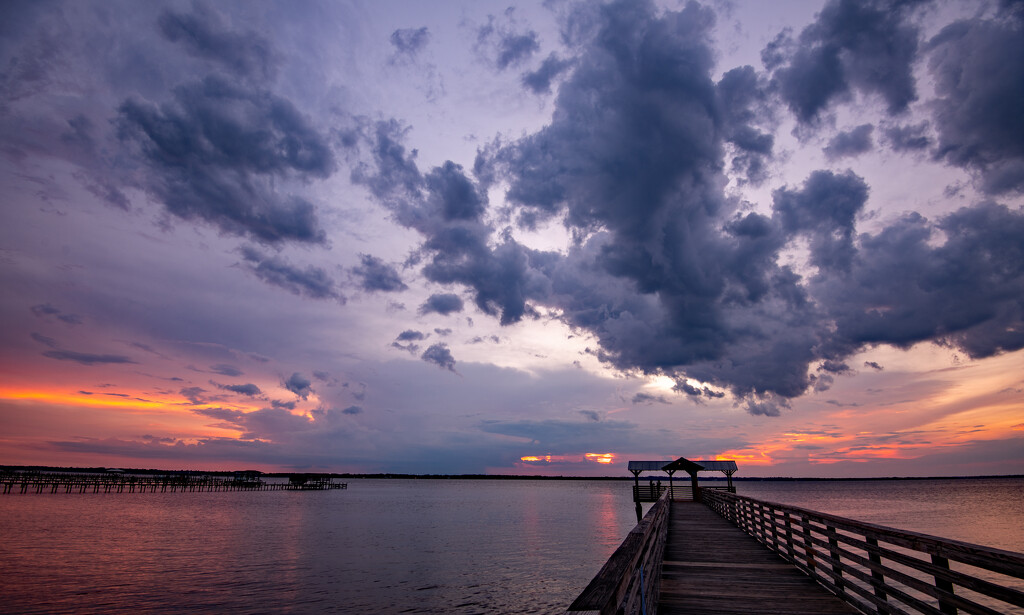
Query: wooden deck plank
(712,567)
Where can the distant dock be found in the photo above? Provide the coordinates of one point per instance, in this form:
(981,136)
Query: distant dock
(710,551)
(56,482)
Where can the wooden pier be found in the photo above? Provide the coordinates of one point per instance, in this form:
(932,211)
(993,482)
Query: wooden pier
(720,553)
(32,482)
(711,567)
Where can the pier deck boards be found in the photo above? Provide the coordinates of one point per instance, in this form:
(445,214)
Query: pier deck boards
(711,566)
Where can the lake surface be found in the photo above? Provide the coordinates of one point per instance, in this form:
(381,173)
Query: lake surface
(397,546)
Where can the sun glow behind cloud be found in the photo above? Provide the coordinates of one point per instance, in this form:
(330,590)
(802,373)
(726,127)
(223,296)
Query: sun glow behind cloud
(171,416)
(600,458)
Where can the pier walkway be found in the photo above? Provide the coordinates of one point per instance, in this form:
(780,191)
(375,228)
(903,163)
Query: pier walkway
(725,553)
(710,566)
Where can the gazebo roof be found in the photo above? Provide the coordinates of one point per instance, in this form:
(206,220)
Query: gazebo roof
(684,464)
(719,466)
(646,466)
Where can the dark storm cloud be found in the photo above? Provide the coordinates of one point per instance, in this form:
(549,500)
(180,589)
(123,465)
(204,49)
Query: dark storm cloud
(635,150)
(410,41)
(406,341)
(539,81)
(226,370)
(244,389)
(505,46)
(439,355)
(441,303)
(87,358)
(967,292)
(695,393)
(453,195)
(647,398)
(766,407)
(851,143)
(825,211)
(873,365)
(193,394)
(410,335)
(376,275)
(912,137)
(271,424)
(640,102)
(741,94)
(49,342)
(834,367)
(80,133)
(514,48)
(213,154)
(298,384)
(202,34)
(312,282)
(45,309)
(854,45)
(353,410)
(978,67)
(446,207)
(666,272)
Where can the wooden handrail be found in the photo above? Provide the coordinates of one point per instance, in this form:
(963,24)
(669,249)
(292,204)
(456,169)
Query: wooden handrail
(630,580)
(881,569)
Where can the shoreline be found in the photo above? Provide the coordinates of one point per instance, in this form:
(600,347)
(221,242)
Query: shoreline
(400,476)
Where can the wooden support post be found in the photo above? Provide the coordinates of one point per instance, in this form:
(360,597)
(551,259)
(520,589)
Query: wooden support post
(947,607)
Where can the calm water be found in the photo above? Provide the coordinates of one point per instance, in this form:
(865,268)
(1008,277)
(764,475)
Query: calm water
(417,546)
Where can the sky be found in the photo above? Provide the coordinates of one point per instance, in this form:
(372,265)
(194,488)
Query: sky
(513,238)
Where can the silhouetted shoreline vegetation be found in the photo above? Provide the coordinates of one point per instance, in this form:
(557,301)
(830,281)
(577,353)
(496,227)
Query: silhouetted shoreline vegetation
(394,475)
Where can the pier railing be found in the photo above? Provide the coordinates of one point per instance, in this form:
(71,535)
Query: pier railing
(630,580)
(879,569)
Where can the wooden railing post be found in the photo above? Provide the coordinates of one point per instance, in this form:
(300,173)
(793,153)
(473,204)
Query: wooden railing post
(947,607)
(879,569)
(877,578)
(837,566)
(805,526)
(774,519)
(789,537)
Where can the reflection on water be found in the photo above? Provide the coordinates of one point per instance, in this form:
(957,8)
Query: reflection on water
(420,546)
(380,546)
